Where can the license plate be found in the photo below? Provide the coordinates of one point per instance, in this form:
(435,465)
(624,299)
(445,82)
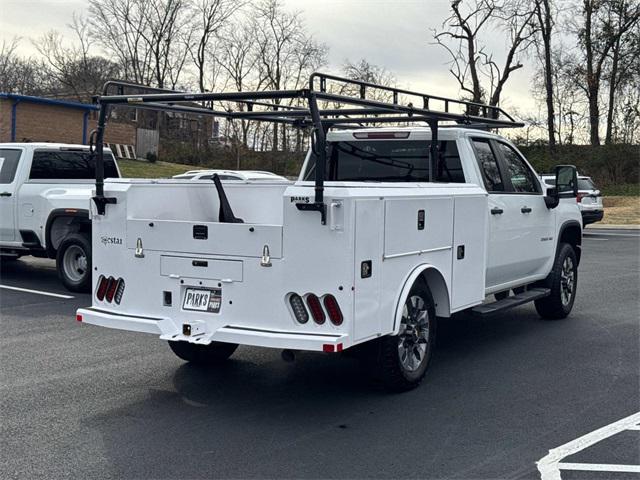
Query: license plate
(202,300)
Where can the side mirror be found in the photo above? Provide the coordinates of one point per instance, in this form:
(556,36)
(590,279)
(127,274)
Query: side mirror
(551,199)
(566,181)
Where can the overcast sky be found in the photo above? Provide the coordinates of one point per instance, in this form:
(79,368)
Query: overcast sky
(396,34)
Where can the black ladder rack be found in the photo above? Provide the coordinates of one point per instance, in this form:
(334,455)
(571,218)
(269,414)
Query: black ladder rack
(329,102)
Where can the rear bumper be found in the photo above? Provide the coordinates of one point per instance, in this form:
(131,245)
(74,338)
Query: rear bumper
(591,216)
(167,330)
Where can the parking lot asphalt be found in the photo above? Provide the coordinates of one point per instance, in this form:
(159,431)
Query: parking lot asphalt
(80,401)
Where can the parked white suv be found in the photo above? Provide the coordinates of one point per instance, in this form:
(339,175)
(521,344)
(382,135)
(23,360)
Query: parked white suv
(240,175)
(589,198)
(45,190)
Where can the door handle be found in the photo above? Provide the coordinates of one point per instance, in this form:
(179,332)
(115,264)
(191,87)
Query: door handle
(525,210)
(5,194)
(497,211)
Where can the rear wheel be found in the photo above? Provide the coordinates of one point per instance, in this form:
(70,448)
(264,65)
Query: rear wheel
(73,262)
(562,281)
(404,358)
(215,352)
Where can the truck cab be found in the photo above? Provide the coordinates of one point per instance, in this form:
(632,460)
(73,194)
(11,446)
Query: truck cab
(45,190)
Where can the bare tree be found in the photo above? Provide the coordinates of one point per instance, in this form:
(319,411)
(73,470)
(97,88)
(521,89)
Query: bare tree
(72,69)
(237,57)
(364,71)
(624,59)
(287,54)
(544,16)
(148,37)
(17,75)
(602,24)
(211,16)
(472,65)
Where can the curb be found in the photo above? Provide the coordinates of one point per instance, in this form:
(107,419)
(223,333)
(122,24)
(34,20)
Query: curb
(612,227)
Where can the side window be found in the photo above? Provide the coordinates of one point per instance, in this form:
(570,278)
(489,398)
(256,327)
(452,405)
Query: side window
(68,165)
(449,167)
(9,160)
(488,165)
(522,178)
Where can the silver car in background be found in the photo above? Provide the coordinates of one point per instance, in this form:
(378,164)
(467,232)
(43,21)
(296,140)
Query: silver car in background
(589,198)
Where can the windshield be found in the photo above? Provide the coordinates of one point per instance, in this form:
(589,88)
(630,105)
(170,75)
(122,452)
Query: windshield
(389,161)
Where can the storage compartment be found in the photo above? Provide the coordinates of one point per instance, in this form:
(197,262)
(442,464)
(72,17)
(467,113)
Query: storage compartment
(201,267)
(230,239)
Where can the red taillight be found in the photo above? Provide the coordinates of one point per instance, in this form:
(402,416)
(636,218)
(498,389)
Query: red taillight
(78,317)
(580,197)
(333,309)
(102,287)
(112,285)
(316,309)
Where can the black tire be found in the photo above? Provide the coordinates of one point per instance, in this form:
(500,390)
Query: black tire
(563,282)
(398,371)
(73,262)
(215,352)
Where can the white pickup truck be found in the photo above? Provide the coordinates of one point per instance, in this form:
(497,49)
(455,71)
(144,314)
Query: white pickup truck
(409,231)
(45,191)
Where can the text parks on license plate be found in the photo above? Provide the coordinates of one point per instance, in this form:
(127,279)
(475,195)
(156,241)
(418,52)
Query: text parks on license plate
(202,300)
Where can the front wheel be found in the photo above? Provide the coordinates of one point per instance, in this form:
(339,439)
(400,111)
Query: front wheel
(404,358)
(562,281)
(211,354)
(73,262)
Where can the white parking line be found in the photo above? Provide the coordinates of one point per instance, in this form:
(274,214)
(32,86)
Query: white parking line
(599,467)
(38,292)
(550,466)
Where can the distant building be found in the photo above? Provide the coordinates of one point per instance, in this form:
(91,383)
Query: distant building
(25,118)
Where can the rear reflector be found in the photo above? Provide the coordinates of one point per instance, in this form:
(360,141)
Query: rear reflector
(298,308)
(380,135)
(119,291)
(78,317)
(112,284)
(333,309)
(102,287)
(329,348)
(316,309)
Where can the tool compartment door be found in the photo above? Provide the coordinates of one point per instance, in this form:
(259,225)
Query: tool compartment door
(229,239)
(469,265)
(368,247)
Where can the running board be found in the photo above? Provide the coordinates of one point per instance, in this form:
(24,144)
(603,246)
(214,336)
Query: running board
(527,296)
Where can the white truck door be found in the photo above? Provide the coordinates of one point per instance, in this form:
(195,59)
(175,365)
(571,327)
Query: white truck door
(535,221)
(506,235)
(9,160)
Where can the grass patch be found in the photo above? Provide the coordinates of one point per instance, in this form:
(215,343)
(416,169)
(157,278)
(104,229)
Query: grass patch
(624,190)
(139,169)
(619,210)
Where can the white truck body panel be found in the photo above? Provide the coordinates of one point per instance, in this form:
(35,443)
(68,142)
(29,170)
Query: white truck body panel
(147,239)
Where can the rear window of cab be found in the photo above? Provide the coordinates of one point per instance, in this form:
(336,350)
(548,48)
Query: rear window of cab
(69,165)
